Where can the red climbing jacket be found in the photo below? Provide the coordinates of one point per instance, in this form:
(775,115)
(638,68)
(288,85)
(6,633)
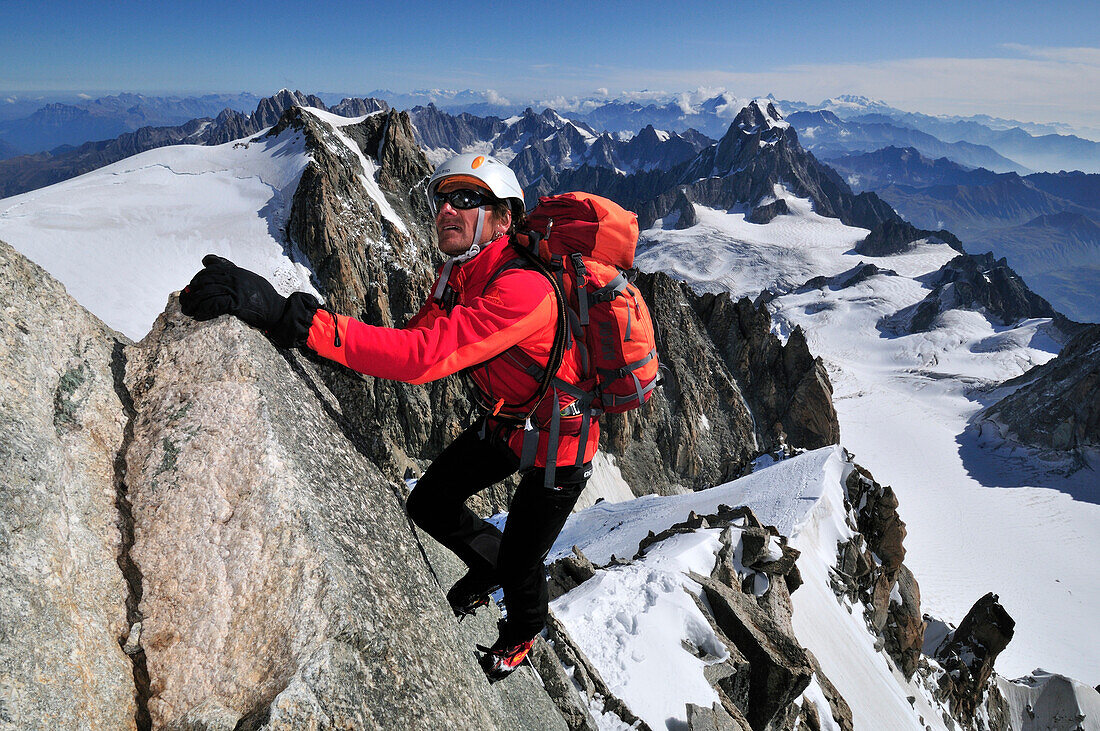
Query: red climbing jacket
(489,305)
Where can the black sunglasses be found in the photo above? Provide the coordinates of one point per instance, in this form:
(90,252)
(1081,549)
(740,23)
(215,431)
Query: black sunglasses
(463,199)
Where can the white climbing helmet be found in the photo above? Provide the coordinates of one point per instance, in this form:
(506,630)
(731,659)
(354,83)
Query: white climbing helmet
(481,171)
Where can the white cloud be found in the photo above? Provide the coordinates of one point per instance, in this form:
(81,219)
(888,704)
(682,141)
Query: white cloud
(1088,56)
(1052,85)
(493,97)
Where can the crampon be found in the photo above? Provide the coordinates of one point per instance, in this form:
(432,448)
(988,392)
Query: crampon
(501,660)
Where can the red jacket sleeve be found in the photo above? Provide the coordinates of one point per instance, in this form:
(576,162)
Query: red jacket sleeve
(518,306)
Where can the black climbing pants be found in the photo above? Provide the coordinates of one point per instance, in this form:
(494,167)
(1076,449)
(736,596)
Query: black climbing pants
(515,557)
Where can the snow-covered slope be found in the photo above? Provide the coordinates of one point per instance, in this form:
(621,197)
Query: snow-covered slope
(123,237)
(631,619)
(979,520)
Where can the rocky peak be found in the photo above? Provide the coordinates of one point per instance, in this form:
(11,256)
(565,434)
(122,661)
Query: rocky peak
(358,107)
(756,126)
(759,116)
(271,108)
(975,282)
(967,655)
(758,152)
(980,280)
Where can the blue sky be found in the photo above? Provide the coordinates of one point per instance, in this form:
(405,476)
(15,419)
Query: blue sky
(1026,60)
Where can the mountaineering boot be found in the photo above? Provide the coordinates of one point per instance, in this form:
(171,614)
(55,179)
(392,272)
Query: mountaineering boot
(501,660)
(471,592)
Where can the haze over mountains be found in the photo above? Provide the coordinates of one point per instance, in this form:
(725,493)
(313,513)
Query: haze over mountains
(1045,223)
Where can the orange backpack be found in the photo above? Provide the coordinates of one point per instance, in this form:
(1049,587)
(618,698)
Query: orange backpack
(588,244)
(583,244)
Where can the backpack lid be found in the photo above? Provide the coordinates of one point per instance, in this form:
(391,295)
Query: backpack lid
(587,224)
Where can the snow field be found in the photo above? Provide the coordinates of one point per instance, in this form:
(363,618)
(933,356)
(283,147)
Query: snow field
(632,620)
(636,621)
(124,237)
(979,519)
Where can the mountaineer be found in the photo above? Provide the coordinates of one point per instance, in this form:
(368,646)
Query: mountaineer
(493,316)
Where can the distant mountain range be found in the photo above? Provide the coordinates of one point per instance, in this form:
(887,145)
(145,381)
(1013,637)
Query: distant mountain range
(828,136)
(58,123)
(1046,224)
(661,158)
(28,172)
(1017,146)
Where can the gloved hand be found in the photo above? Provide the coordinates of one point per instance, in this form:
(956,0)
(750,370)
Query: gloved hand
(223,288)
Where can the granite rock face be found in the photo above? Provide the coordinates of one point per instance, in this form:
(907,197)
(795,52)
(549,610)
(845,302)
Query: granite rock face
(786,387)
(283,586)
(63,593)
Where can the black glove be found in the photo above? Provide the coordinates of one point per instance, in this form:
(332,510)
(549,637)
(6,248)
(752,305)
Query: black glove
(223,288)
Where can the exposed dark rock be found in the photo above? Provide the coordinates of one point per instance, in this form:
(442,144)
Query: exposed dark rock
(559,686)
(1057,407)
(859,273)
(967,656)
(436,129)
(871,570)
(568,573)
(973,282)
(895,236)
(787,389)
(765,213)
(271,108)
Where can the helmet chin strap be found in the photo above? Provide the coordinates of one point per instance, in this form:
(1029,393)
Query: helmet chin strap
(479,228)
(470,253)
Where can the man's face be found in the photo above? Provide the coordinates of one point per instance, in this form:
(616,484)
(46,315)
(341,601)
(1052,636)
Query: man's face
(455,228)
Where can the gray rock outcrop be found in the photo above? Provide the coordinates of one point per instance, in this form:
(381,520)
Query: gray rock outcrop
(199,502)
(282,582)
(63,595)
(870,569)
(973,282)
(967,656)
(1058,407)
